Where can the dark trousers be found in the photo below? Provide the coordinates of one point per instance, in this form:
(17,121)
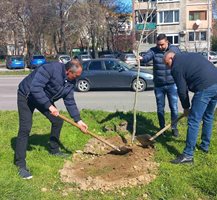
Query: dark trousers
(26,109)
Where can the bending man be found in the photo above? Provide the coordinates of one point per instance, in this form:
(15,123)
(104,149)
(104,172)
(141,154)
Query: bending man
(193,72)
(39,90)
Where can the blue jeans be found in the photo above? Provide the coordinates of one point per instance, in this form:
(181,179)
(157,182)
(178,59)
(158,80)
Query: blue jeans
(202,109)
(172,96)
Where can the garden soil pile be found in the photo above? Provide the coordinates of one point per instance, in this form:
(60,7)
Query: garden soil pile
(96,168)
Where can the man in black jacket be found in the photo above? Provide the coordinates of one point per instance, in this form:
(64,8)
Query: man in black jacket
(163,80)
(39,90)
(191,71)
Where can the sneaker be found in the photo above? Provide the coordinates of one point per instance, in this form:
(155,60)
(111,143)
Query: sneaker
(24,173)
(183,159)
(175,132)
(202,149)
(61,154)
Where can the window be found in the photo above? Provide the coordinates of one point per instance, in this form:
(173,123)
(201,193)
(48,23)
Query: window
(96,65)
(85,65)
(170,16)
(203,36)
(141,17)
(194,15)
(111,65)
(173,39)
(197,36)
(191,36)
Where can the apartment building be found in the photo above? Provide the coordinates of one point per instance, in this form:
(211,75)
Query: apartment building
(187,23)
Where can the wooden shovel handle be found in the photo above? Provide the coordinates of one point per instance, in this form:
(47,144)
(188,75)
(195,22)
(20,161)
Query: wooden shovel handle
(166,127)
(88,132)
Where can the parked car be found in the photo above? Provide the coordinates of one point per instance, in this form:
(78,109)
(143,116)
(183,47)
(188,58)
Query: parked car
(128,58)
(36,60)
(81,54)
(211,56)
(84,57)
(64,58)
(142,63)
(15,62)
(112,73)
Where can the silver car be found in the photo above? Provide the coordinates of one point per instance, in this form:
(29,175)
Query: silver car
(84,57)
(64,58)
(211,56)
(128,58)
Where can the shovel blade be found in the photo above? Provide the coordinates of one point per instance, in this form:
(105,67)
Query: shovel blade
(144,140)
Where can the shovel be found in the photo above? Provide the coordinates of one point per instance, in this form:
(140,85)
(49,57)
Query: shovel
(119,151)
(147,140)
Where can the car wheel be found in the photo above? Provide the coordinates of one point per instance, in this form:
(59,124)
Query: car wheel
(83,86)
(141,86)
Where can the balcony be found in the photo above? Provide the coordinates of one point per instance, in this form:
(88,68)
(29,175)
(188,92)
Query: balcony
(149,26)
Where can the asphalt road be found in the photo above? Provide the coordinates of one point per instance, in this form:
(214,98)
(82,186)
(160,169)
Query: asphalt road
(96,100)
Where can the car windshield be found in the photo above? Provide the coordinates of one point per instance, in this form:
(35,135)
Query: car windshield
(38,57)
(17,59)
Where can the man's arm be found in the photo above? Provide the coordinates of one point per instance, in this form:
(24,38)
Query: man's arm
(38,84)
(72,108)
(182,88)
(148,56)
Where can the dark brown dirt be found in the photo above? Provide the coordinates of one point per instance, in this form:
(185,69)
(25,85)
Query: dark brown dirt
(96,168)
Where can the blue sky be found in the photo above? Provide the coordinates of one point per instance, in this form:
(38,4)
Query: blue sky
(127,2)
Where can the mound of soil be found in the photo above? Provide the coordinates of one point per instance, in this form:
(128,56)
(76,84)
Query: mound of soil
(96,168)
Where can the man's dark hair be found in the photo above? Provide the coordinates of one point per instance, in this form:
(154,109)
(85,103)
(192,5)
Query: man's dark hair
(161,36)
(73,65)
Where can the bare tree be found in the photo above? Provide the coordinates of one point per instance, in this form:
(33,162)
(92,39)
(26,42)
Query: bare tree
(149,12)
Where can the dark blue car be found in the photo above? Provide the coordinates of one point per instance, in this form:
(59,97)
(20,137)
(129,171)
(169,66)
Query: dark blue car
(36,60)
(112,73)
(15,62)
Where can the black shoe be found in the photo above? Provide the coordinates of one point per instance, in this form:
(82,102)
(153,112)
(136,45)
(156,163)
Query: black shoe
(24,173)
(203,150)
(175,132)
(61,154)
(183,159)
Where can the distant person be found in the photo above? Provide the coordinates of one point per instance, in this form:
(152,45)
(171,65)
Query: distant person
(193,72)
(163,81)
(39,90)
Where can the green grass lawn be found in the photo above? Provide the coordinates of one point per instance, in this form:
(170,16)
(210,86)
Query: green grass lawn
(198,181)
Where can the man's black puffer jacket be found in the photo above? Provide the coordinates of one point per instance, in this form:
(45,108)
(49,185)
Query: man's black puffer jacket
(47,84)
(162,75)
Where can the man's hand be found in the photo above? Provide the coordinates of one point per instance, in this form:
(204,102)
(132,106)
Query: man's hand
(186,112)
(82,126)
(53,110)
